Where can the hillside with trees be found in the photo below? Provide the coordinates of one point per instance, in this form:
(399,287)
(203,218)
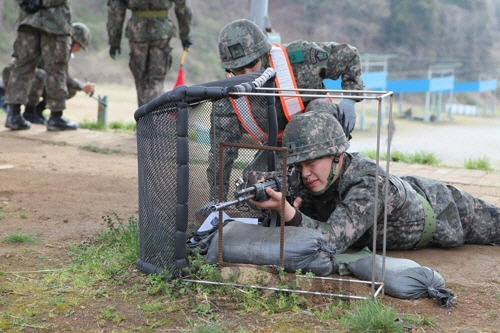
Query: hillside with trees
(417,33)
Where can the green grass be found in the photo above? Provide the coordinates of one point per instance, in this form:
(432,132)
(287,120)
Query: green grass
(371,316)
(420,157)
(21,237)
(116,126)
(59,143)
(100,150)
(482,163)
(118,248)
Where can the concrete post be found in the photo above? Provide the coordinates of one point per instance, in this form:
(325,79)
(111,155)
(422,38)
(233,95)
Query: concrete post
(102,111)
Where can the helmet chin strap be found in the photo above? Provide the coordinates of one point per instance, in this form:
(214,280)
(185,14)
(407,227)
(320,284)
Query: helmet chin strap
(333,172)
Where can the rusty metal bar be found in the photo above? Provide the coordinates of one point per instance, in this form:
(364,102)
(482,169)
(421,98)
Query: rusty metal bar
(221,194)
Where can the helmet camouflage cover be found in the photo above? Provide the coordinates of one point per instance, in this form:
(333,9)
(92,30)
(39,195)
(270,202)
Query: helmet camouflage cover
(240,43)
(313,135)
(81,35)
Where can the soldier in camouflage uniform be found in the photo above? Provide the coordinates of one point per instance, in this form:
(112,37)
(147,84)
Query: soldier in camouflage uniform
(43,34)
(243,48)
(149,31)
(34,107)
(340,196)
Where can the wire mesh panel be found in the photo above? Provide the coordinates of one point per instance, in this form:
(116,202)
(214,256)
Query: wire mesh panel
(157,165)
(211,123)
(178,137)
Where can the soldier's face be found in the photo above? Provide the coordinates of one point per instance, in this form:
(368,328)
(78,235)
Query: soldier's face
(249,68)
(315,173)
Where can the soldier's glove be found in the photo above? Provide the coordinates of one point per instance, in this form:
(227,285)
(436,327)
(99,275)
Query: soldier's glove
(186,43)
(31,6)
(113,50)
(347,116)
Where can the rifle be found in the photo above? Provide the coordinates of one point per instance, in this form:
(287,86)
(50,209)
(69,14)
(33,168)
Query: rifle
(257,191)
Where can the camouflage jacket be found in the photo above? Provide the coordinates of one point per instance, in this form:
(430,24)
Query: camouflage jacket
(345,212)
(54,17)
(314,62)
(143,29)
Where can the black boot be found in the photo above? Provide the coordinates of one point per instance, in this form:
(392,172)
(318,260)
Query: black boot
(14,119)
(40,107)
(58,123)
(31,114)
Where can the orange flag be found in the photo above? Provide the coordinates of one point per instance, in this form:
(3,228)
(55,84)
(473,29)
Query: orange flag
(180,76)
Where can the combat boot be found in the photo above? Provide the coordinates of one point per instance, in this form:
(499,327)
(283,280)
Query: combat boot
(31,114)
(58,123)
(14,119)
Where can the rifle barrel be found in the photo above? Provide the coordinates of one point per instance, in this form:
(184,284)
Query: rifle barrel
(223,205)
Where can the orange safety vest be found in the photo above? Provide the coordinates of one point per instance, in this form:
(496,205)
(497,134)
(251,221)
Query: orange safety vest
(284,79)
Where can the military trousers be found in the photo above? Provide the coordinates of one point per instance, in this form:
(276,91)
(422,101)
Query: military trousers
(31,46)
(149,63)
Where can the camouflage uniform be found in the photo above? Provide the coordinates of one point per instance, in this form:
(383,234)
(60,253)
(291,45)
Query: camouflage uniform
(320,61)
(37,85)
(34,107)
(43,35)
(344,212)
(37,90)
(149,31)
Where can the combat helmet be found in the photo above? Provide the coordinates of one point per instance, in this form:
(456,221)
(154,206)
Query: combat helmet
(241,42)
(81,35)
(312,135)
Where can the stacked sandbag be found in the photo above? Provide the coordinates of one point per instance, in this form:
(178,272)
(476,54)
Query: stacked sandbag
(404,278)
(304,248)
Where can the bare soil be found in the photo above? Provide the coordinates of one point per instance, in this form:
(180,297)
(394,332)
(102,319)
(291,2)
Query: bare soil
(51,187)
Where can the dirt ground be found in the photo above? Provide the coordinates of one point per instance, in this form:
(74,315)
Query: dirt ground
(51,187)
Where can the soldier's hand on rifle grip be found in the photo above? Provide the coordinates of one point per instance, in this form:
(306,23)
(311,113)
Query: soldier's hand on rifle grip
(297,203)
(113,50)
(274,203)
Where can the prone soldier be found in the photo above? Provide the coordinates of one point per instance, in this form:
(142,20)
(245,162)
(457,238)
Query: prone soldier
(339,200)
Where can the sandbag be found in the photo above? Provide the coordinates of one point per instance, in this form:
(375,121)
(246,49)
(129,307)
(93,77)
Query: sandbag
(404,278)
(304,249)
(342,259)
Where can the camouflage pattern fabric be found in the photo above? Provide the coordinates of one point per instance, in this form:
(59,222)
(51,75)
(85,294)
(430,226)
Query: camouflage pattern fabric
(315,62)
(345,212)
(54,18)
(43,35)
(149,63)
(313,135)
(149,39)
(37,89)
(240,43)
(37,85)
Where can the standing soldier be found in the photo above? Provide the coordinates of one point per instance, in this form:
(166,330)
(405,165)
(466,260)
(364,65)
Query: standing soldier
(149,31)
(33,110)
(43,34)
